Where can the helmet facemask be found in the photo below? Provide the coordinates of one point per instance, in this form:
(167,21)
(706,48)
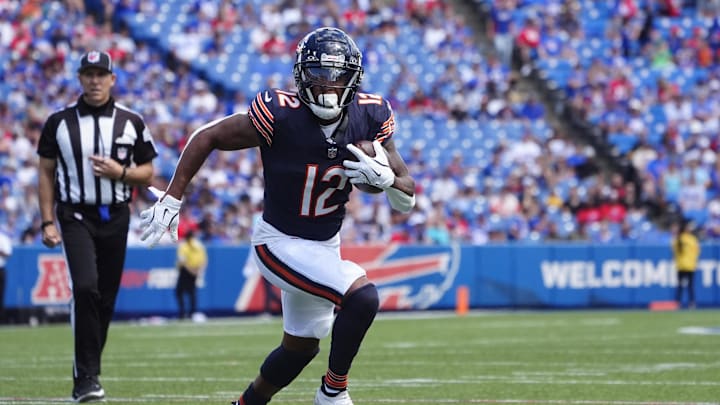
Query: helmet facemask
(327,72)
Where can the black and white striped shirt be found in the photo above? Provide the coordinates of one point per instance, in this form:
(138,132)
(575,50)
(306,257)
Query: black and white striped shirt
(79,131)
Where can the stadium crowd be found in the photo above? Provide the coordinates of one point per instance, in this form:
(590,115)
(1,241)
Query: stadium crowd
(542,186)
(646,73)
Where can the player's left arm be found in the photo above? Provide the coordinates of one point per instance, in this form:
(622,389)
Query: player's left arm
(401,194)
(403,181)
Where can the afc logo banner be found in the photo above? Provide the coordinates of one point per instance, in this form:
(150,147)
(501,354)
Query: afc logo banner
(52,285)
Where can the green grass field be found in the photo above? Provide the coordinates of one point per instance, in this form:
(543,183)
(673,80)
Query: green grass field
(564,357)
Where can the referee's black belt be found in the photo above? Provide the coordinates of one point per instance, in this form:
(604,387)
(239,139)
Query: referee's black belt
(94,207)
(104,211)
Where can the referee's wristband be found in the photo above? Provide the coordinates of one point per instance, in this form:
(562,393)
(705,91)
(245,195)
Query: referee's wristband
(122,176)
(45,224)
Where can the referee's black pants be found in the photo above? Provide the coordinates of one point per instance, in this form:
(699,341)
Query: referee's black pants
(95,253)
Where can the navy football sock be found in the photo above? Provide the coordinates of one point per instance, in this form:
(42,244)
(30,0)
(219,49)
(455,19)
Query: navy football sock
(250,397)
(357,313)
(282,365)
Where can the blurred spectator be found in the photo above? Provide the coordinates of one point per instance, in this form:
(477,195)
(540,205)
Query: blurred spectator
(420,103)
(532,109)
(528,39)
(500,28)
(437,232)
(202,102)
(275,45)
(694,194)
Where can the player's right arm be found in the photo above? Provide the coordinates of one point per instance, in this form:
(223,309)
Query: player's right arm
(233,132)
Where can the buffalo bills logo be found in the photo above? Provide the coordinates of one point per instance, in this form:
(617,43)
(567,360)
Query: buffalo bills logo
(406,277)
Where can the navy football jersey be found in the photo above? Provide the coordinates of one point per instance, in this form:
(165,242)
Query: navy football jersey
(305,184)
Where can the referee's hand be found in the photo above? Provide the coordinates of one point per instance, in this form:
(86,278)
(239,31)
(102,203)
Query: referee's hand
(50,236)
(106,167)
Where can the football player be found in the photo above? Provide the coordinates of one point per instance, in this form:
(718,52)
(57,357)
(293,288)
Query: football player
(306,142)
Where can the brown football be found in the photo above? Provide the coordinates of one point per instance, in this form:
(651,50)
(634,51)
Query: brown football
(367,147)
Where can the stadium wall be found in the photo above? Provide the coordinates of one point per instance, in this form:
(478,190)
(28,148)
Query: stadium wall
(408,277)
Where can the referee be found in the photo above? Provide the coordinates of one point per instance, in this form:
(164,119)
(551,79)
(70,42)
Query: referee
(91,154)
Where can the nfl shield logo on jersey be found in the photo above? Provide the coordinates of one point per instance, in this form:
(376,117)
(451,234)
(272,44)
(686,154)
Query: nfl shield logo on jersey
(122,152)
(332,152)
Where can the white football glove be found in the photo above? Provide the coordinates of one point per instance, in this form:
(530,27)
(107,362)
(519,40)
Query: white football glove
(162,216)
(374,171)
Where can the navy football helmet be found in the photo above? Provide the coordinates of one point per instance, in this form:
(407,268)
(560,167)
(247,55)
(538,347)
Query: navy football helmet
(327,60)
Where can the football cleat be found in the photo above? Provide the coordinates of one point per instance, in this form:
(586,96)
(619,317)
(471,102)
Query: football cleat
(87,389)
(343,398)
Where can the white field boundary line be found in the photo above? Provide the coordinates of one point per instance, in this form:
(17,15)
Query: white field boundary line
(606,318)
(569,368)
(141,324)
(416,382)
(192,398)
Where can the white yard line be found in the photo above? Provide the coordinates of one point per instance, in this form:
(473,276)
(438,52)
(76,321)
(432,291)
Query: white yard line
(415,382)
(193,398)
